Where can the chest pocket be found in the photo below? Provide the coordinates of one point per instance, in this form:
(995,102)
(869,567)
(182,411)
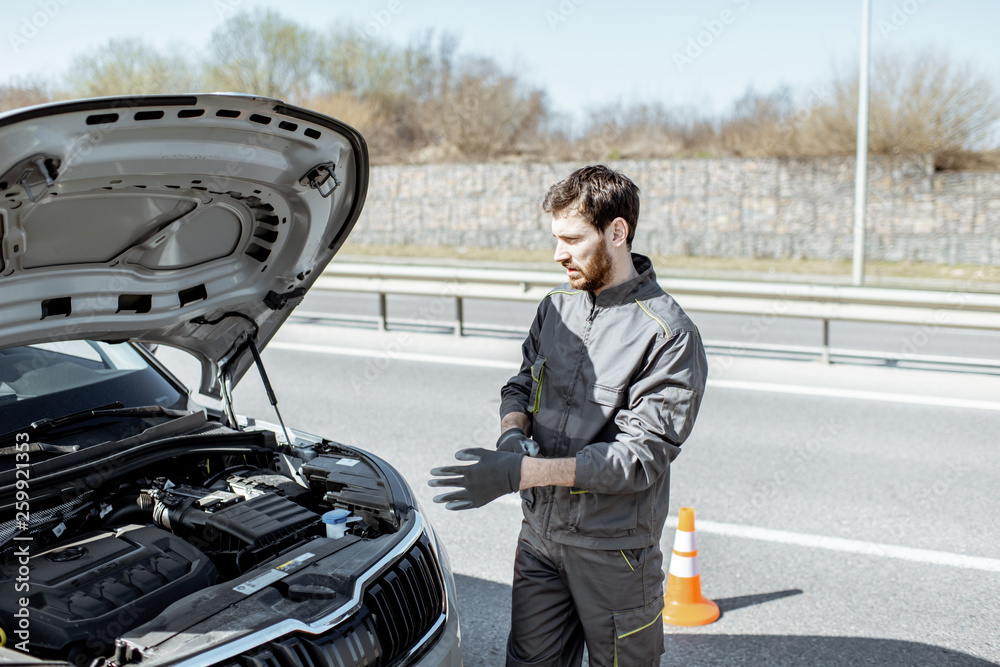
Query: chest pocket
(537,375)
(611,397)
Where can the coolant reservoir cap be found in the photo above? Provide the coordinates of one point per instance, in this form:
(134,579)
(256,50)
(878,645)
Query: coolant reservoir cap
(337,516)
(336,522)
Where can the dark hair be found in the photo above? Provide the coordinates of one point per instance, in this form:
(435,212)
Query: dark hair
(600,194)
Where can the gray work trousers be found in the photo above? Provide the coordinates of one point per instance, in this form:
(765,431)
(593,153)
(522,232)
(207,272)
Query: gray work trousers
(564,596)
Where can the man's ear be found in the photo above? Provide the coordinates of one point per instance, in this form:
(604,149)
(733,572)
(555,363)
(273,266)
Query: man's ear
(619,232)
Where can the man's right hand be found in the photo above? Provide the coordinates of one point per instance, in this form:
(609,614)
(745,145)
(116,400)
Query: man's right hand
(514,440)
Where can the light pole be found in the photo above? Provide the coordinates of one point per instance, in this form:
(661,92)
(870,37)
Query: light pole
(861,162)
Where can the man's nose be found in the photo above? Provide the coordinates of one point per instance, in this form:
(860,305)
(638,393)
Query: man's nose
(562,254)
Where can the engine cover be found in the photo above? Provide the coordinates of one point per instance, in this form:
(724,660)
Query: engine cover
(86,592)
(350,482)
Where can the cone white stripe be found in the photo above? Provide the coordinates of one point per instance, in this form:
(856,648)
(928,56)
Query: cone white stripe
(684,541)
(684,566)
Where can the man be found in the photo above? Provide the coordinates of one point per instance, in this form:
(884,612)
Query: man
(612,376)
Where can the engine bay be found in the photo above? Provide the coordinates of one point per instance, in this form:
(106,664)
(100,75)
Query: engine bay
(111,553)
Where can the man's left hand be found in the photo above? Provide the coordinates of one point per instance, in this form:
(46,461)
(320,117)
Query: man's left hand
(494,474)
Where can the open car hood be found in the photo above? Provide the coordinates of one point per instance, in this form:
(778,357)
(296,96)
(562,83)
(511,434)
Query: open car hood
(195,221)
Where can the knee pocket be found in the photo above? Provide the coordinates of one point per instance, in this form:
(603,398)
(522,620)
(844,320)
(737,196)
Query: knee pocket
(639,634)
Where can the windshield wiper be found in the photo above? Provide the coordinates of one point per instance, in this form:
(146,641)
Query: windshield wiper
(54,424)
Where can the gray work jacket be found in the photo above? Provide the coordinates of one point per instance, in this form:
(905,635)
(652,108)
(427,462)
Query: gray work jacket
(615,382)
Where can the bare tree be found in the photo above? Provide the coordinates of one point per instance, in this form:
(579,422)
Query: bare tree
(642,130)
(760,124)
(368,116)
(129,67)
(429,64)
(17,93)
(382,88)
(483,111)
(365,66)
(262,53)
(925,103)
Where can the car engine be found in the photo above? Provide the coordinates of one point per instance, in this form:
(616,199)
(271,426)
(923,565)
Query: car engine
(114,556)
(106,580)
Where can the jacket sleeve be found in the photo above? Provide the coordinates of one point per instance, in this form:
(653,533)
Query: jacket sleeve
(514,395)
(661,408)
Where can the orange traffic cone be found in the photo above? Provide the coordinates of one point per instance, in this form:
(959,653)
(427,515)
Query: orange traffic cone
(684,603)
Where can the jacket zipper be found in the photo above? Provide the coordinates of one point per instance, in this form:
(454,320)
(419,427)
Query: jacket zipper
(575,508)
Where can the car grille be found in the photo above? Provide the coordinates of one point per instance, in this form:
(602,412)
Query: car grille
(397,610)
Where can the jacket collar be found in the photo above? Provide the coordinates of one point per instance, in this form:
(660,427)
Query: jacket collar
(627,291)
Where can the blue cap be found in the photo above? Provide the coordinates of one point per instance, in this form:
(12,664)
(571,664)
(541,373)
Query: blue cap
(336,516)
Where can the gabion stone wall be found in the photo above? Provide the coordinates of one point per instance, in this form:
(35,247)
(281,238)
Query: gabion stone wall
(748,208)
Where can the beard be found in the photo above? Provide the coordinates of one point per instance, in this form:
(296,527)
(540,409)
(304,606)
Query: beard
(595,274)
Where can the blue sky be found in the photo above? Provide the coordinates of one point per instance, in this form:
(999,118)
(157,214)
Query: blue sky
(585,53)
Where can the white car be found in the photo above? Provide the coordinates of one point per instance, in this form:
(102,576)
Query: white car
(136,525)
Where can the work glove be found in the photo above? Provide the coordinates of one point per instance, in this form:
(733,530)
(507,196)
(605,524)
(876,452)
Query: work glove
(493,474)
(514,440)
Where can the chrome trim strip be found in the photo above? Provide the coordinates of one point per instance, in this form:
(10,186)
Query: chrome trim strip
(326,623)
(419,646)
(446,590)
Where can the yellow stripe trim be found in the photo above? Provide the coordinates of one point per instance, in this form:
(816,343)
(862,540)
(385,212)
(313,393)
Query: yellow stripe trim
(574,492)
(632,632)
(538,387)
(626,559)
(656,319)
(658,615)
(562,291)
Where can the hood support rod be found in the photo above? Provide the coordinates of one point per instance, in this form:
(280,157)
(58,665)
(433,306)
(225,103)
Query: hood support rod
(226,387)
(267,386)
(251,342)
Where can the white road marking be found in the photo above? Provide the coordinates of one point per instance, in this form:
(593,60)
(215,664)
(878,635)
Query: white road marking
(829,543)
(846,545)
(832,392)
(803,390)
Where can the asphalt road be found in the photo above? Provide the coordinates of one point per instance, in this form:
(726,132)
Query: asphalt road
(847,515)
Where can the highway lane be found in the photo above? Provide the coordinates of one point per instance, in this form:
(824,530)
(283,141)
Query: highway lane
(876,473)
(766,329)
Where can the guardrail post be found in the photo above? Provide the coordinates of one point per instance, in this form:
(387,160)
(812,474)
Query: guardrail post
(458,316)
(825,354)
(382,311)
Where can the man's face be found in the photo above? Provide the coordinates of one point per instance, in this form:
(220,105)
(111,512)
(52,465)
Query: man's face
(582,250)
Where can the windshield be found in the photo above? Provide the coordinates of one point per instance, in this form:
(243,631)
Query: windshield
(49,380)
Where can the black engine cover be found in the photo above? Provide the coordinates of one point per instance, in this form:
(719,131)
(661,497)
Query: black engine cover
(85,593)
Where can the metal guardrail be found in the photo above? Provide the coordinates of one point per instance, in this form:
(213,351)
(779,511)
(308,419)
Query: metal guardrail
(824,303)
